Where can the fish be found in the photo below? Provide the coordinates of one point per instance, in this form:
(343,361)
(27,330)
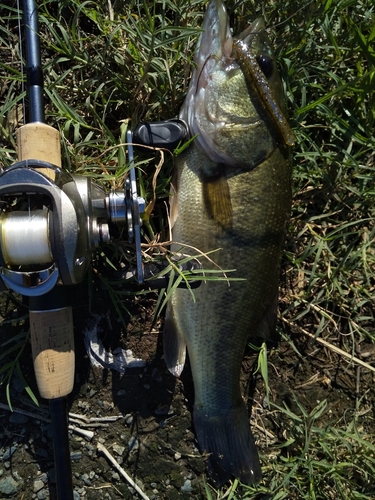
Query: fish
(231,195)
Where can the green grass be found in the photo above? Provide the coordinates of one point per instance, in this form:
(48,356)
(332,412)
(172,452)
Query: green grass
(107,69)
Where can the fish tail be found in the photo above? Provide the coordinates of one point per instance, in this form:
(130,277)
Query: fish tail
(228,440)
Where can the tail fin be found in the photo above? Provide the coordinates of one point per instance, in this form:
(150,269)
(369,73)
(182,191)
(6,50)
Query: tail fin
(228,440)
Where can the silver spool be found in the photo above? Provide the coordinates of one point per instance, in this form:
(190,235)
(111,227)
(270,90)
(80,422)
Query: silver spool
(24,238)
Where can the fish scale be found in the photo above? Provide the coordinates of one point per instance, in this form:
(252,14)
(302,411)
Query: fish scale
(232,193)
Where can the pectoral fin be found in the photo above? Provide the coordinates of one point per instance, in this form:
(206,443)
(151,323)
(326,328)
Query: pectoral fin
(216,197)
(174,345)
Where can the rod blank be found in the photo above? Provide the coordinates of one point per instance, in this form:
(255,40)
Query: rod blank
(33,64)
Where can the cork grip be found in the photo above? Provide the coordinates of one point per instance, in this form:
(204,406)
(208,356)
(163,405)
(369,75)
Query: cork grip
(51,330)
(52,343)
(38,141)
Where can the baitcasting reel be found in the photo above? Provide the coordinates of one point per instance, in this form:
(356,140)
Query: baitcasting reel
(51,221)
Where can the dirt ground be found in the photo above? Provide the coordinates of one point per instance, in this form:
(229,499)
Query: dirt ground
(154,439)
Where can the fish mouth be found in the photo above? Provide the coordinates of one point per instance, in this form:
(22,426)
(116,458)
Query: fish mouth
(228,67)
(216,40)
(215,44)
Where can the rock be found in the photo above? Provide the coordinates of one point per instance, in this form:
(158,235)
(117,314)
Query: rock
(76,455)
(41,452)
(8,486)
(133,444)
(118,449)
(85,478)
(9,452)
(129,419)
(44,477)
(52,475)
(38,485)
(17,385)
(186,488)
(156,375)
(42,495)
(18,419)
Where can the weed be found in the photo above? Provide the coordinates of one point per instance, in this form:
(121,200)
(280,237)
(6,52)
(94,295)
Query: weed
(110,65)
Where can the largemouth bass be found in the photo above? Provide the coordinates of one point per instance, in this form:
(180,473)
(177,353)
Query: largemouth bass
(232,192)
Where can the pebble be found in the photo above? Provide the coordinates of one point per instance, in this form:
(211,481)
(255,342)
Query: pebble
(186,488)
(38,485)
(121,392)
(17,385)
(52,475)
(85,478)
(162,410)
(133,444)
(76,455)
(43,477)
(8,453)
(177,456)
(116,476)
(8,486)
(156,375)
(129,419)
(18,419)
(118,449)
(41,452)
(42,495)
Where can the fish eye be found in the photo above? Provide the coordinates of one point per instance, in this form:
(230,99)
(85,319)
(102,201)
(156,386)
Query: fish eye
(265,64)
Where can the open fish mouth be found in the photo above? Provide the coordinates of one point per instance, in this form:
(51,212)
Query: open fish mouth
(225,62)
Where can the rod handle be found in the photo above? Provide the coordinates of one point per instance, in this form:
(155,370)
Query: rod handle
(52,343)
(38,141)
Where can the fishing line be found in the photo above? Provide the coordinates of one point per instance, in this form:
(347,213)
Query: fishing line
(270,28)
(25,238)
(292,15)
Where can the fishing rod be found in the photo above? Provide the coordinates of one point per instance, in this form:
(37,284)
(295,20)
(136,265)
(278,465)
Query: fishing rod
(51,222)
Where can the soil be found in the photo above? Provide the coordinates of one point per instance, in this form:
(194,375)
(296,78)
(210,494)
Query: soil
(154,439)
